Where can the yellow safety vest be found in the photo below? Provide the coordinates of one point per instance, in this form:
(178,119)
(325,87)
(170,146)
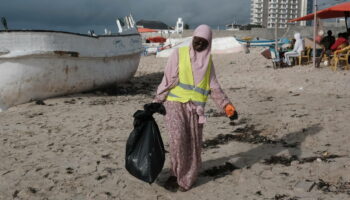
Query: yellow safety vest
(186,90)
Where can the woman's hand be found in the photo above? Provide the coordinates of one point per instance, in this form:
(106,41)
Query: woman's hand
(155,107)
(231,112)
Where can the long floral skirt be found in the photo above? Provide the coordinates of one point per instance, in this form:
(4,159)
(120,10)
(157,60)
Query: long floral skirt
(185,141)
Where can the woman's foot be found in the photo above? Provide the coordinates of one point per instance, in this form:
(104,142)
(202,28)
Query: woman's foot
(181,189)
(171,184)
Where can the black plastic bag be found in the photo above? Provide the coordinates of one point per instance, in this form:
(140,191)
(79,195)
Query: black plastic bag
(145,153)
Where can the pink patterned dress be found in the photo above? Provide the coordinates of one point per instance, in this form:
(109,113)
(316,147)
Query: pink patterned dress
(184,123)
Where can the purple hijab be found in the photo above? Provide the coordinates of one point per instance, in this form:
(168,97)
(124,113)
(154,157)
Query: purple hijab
(200,60)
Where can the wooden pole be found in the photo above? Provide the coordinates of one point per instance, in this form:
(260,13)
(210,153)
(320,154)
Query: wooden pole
(276,28)
(346,24)
(315,29)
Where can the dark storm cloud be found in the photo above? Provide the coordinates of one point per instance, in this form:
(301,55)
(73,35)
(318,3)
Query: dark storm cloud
(82,15)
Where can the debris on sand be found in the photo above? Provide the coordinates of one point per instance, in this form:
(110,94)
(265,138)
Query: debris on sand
(340,187)
(280,196)
(283,160)
(286,161)
(323,185)
(220,171)
(220,139)
(266,99)
(137,85)
(284,197)
(299,116)
(100,177)
(106,156)
(214,113)
(250,134)
(234,89)
(324,158)
(32,190)
(40,102)
(100,102)
(72,101)
(15,194)
(343,187)
(69,170)
(35,115)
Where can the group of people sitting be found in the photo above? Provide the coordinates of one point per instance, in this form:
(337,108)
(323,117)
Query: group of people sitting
(329,44)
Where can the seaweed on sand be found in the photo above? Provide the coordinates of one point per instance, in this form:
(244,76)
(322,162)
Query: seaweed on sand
(247,134)
(219,171)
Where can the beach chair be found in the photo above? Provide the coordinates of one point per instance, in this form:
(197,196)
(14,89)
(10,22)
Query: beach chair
(306,54)
(326,57)
(276,61)
(341,55)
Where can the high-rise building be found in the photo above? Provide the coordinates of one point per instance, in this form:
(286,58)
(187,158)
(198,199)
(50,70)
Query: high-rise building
(307,8)
(267,12)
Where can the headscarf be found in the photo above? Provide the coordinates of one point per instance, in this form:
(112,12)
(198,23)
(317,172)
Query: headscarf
(200,60)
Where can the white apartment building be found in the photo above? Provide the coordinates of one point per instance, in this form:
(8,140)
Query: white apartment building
(268,12)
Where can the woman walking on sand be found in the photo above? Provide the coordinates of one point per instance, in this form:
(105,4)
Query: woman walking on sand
(189,78)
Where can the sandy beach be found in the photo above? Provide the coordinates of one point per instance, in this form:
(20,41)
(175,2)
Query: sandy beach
(291,140)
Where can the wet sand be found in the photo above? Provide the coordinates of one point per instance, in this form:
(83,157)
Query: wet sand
(291,140)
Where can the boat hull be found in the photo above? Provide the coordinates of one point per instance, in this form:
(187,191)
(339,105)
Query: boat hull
(259,43)
(42,73)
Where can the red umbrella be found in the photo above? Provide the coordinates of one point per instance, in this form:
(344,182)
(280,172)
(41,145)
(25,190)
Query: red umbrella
(340,10)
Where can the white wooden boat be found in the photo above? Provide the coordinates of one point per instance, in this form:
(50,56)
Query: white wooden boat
(223,45)
(41,64)
(262,43)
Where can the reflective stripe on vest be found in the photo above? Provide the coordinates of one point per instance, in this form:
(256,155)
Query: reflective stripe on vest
(186,90)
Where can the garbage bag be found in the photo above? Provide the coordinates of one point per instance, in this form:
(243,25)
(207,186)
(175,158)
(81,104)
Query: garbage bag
(145,153)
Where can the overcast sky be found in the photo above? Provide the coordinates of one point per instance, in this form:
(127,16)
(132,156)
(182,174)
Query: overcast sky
(82,15)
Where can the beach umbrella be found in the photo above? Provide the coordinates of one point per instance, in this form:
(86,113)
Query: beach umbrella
(340,10)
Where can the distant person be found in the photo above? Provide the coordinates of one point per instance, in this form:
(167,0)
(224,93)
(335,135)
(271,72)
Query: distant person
(328,41)
(297,49)
(319,37)
(292,43)
(189,78)
(341,42)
